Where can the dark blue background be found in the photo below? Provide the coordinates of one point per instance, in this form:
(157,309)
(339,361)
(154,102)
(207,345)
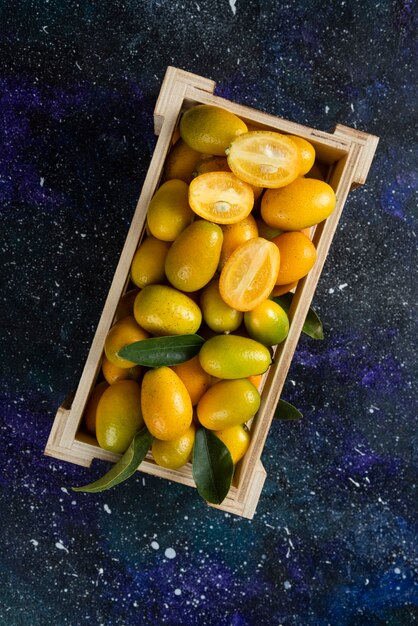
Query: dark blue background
(334,538)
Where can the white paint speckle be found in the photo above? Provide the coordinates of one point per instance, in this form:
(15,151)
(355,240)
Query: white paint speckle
(34,543)
(170,553)
(342,286)
(232,4)
(100,572)
(107,509)
(61,546)
(287,584)
(326,109)
(155,545)
(42,181)
(177,592)
(359,451)
(397,570)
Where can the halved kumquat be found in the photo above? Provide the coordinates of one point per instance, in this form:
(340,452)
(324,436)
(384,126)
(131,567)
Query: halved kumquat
(264,158)
(250,274)
(220,197)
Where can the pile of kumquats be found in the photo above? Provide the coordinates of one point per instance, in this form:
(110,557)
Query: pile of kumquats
(227,231)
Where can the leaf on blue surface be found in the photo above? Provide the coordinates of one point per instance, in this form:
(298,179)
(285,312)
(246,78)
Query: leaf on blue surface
(125,467)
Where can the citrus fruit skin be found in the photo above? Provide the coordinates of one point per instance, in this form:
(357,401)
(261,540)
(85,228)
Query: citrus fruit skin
(267,323)
(113,372)
(163,310)
(297,256)
(218,315)
(221,197)
(169,212)
(123,333)
(279,290)
(119,415)
(236,234)
(181,162)
(237,440)
(266,231)
(193,258)
(176,452)
(166,404)
(91,407)
(147,266)
(264,158)
(249,274)
(256,381)
(303,203)
(232,356)
(306,154)
(209,129)
(126,305)
(194,377)
(228,403)
(211,164)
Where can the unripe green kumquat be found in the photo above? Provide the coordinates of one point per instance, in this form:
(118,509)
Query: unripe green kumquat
(232,356)
(267,323)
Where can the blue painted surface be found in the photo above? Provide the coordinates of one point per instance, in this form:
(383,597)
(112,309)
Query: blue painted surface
(334,538)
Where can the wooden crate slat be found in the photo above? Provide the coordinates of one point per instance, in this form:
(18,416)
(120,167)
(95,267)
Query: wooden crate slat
(174,79)
(369,144)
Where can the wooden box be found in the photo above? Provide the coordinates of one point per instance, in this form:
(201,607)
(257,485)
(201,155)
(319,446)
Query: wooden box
(346,155)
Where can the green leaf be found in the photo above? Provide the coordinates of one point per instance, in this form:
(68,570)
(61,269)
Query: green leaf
(286,411)
(212,467)
(159,351)
(125,467)
(312,326)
